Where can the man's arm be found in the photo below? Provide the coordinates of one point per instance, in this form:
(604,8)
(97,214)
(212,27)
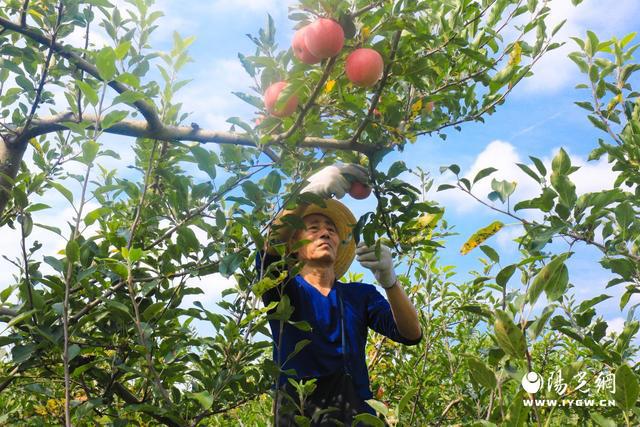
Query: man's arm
(404,312)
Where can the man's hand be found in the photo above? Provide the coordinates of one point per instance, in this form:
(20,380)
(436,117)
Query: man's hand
(382,268)
(335,180)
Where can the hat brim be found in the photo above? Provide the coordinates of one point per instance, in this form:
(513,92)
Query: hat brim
(344,220)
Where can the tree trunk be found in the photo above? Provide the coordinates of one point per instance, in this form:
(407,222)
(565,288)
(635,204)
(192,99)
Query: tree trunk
(10,158)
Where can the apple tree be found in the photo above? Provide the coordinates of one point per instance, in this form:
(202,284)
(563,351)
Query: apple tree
(98,333)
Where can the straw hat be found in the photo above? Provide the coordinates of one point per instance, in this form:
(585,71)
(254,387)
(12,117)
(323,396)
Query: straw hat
(344,221)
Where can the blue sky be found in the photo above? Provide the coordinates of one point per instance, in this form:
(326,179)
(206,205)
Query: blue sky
(538,118)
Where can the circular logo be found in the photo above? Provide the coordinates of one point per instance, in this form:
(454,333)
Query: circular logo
(532,382)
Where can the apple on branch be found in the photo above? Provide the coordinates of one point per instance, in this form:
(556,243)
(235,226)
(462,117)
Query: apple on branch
(364,67)
(271,96)
(324,38)
(300,49)
(359,190)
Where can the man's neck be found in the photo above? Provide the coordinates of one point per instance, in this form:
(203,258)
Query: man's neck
(321,277)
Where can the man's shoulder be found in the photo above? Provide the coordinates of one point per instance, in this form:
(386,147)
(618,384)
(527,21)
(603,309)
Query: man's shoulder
(357,288)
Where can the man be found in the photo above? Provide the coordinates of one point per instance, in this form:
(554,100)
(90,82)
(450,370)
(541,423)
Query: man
(339,314)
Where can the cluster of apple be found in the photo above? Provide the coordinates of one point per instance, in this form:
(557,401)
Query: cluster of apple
(319,40)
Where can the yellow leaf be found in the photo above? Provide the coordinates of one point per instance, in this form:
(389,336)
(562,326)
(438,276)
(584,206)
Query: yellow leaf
(614,101)
(35,14)
(34,142)
(328,87)
(516,54)
(365,32)
(416,107)
(480,236)
(429,220)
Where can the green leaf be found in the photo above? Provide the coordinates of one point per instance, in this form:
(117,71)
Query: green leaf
(302,325)
(117,306)
(63,190)
(550,276)
(122,49)
(539,165)
(566,189)
(592,43)
(626,394)
(89,151)
(598,123)
(72,251)
(502,278)
(491,253)
(93,216)
(378,406)
(561,163)
(369,420)
(481,373)
(509,336)
(37,207)
(205,161)
(453,168)
(106,63)
(21,353)
(229,264)
(273,182)
(526,169)
(151,311)
(410,394)
(445,187)
(134,255)
(517,415)
(601,420)
(484,173)
(204,398)
(19,318)
(557,285)
(538,325)
(299,346)
(89,93)
(503,189)
(112,118)
(74,350)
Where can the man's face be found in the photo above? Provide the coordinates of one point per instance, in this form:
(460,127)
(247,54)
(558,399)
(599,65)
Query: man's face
(323,237)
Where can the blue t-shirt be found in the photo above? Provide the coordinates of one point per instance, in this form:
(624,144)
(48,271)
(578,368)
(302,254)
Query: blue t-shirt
(364,307)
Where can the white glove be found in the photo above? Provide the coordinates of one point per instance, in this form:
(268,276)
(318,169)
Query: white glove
(332,181)
(382,268)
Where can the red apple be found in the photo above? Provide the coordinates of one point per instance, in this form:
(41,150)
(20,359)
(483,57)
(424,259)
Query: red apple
(364,67)
(359,190)
(300,48)
(258,120)
(324,38)
(379,393)
(271,96)
(428,108)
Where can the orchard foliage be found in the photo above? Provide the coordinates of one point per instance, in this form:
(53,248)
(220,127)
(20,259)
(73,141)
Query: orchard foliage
(99,332)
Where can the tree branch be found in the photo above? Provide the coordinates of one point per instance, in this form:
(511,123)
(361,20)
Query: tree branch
(147,110)
(140,129)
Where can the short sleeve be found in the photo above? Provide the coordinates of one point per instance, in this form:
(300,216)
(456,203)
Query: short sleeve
(380,318)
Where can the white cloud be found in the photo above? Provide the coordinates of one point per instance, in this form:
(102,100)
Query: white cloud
(592,176)
(502,156)
(209,96)
(555,71)
(615,325)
